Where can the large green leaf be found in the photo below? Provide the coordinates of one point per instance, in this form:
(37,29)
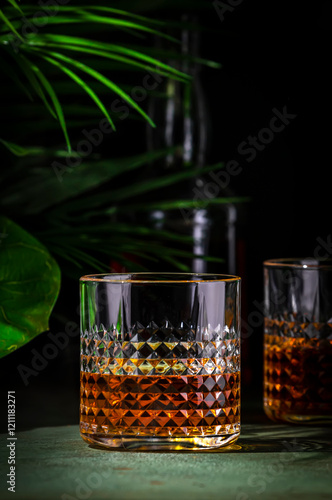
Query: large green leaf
(29,286)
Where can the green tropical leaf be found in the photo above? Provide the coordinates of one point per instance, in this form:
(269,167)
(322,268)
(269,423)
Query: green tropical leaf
(157,52)
(17,150)
(125,13)
(85,87)
(103,79)
(189,204)
(81,15)
(8,71)
(98,8)
(26,68)
(10,26)
(145,186)
(29,286)
(177,263)
(115,57)
(56,103)
(98,200)
(41,188)
(77,213)
(72,253)
(84,16)
(111,50)
(17,7)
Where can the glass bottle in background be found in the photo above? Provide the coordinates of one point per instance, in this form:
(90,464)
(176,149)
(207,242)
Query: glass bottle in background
(184,127)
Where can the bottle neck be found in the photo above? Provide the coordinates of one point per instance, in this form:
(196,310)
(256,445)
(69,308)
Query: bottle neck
(181,116)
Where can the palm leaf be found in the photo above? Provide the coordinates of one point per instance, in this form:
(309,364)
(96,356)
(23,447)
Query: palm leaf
(110,228)
(126,13)
(112,48)
(80,15)
(157,52)
(40,188)
(56,103)
(10,26)
(85,87)
(17,7)
(17,150)
(148,5)
(98,8)
(177,263)
(101,78)
(76,255)
(87,16)
(160,182)
(8,71)
(99,200)
(185,204)
(26,68)
(130,57)
(109,55)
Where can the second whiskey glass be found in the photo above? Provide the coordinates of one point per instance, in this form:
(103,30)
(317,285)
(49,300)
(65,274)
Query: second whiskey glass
(298,340)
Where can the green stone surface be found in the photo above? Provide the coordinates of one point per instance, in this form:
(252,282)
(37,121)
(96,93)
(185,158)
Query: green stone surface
(268,462)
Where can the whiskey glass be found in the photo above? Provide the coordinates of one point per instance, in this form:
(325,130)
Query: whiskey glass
(160,360)
(298,340)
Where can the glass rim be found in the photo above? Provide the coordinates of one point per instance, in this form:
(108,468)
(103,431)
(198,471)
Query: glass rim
(306,263)
(159,277)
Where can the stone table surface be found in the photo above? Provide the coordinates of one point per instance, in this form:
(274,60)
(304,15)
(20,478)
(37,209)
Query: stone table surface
(268,462)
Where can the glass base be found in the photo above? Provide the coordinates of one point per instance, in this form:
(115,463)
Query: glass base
(152,443)
(278,415)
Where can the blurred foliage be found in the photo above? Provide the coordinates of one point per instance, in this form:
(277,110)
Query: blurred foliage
(60,65)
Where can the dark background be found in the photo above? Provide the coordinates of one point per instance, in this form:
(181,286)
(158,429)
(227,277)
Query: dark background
(274,54)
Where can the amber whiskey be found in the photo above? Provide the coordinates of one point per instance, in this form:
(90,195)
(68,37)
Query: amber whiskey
(178,393)
(126,405)
(298,371)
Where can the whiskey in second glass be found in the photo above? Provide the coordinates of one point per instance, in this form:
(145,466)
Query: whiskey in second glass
(298,340)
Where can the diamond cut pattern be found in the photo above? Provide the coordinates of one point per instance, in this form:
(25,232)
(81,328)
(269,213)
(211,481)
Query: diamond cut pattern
(298,327)
(160,381)
(297,367)
(160,356)
(168,406)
